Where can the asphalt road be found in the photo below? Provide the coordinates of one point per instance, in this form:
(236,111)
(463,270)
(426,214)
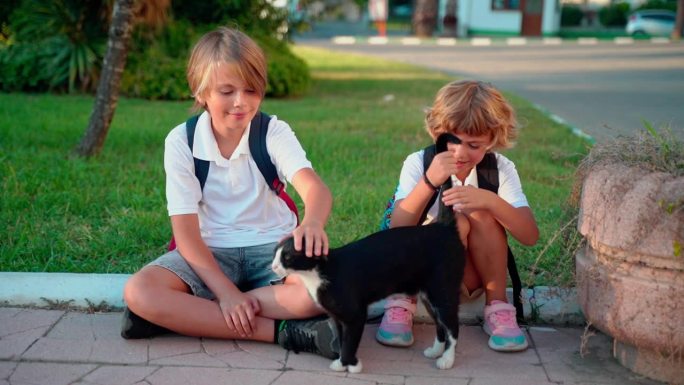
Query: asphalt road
(604,90)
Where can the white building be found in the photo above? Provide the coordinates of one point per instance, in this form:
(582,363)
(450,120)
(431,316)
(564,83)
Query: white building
(596,4)
(504,17)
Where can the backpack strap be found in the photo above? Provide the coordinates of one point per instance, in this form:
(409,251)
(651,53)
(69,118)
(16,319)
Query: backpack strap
(488,173)
(257,146)
(488,178)
(429,153)
(201,165)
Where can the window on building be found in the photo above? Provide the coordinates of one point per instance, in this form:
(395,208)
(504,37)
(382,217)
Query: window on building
(502,5)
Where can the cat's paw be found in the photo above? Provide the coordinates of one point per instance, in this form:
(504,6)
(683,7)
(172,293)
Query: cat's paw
(435,350)
(355,368)
(337,366)
(446,361)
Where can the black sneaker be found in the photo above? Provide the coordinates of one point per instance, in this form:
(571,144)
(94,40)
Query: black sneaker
(314,335)
(135,327)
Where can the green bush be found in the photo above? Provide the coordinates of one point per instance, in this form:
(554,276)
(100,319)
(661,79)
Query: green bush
(288,75)
(571,15)
(659,4)
(53,45)
(25,67)
(614,15)
(166,53)
(156,76)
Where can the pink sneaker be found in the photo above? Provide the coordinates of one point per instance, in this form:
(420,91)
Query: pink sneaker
(501,326)
(396,328)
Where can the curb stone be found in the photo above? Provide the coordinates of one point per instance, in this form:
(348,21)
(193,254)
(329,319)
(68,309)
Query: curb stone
(542,304)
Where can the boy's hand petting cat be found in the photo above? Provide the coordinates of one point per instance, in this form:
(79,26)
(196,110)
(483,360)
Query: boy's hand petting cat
(239,310)
(468,198)
(312,237)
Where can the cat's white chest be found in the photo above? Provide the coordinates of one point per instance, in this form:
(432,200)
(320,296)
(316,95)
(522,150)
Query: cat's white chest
(312,281)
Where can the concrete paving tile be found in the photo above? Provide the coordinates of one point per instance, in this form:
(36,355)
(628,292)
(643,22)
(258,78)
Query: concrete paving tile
(49,349)
(301,377)
(73,325)
(307,362)
(216,346)
(16,320)
(562,349)
(106,325)
(437,381)
(411,368)
(14,345)
(48,373)
(508,381)
(173,345)
(190,359)
(119,351)
(269,351)
(6,369)
(20,328)
(118,375)
(245,360)
(379,378)
(203,376)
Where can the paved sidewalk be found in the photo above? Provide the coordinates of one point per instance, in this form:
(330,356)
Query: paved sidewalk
(49,347)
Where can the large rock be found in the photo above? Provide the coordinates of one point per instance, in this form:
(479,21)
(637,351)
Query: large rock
(630,274)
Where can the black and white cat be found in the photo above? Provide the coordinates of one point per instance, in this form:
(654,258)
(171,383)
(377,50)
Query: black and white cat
(417,259)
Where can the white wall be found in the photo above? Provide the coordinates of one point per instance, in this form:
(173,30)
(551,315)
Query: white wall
(551,17)
(478,15)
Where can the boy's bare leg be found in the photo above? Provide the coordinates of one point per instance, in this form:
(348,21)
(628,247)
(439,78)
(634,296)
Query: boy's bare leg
(162,298)
(486,265)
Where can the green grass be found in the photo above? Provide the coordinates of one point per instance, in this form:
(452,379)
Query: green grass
(108,214)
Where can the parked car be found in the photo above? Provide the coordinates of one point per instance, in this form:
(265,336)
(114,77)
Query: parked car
(651,22)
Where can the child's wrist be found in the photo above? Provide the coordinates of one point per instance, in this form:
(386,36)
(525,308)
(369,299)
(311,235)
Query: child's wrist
(427,181)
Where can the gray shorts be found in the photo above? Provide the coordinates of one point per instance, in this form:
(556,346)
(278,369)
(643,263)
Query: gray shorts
(247,267)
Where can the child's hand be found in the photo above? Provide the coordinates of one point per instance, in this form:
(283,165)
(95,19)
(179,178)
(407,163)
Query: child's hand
(239,310)
(314,238)
(468,198)
(442,167)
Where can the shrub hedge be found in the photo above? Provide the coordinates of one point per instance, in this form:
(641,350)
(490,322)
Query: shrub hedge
(614,15)
(157,71)
(38,55)
(571,15)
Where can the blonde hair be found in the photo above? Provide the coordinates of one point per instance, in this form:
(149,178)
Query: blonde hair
(225,46)
(473,108)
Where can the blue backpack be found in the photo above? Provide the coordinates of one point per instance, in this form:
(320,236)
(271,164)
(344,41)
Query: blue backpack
(487,178)
(257,146)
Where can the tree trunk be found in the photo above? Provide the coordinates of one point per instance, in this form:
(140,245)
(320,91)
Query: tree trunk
(425,17)
(110,79)
(679,21)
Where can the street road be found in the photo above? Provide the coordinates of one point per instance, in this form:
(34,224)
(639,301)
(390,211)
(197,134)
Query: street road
(604,90)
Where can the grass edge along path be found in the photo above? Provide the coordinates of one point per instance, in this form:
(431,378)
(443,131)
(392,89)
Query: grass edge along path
(363,116)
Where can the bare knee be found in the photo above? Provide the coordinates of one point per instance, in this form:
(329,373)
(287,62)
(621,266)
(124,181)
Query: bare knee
(136,292)
(482,222)
(141,291)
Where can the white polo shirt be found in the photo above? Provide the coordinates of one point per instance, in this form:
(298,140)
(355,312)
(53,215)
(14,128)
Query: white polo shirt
(236,207)
(510,188)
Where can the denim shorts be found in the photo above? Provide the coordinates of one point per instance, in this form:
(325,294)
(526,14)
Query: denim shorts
(247,267)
